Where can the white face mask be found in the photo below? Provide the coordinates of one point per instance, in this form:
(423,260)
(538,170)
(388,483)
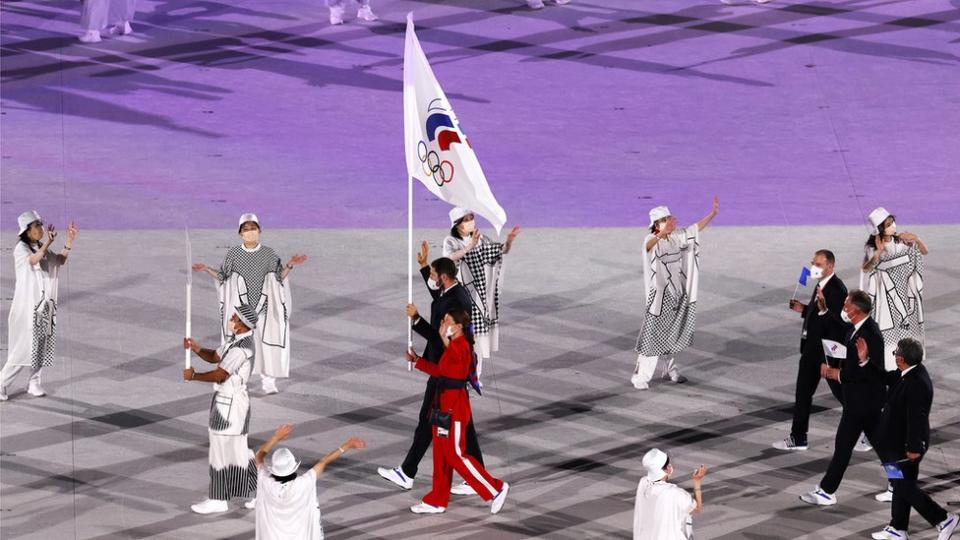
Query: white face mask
(433,285)
(816,272)
(891,230)
(845,317)
(449,332)
(251,236)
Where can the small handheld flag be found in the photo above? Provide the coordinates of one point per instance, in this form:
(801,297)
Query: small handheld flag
(804,274)
(893,470)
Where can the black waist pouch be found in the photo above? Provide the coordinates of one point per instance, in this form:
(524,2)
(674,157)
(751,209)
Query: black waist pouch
(440,419)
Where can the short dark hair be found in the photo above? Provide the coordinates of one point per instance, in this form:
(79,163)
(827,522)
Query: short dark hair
(240,228)
(827,254)
(910,350)
(445,266)
(861,301)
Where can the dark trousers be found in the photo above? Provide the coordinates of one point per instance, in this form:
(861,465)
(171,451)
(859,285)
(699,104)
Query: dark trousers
(808,378)
(423,435)
(859,416)
(906,495)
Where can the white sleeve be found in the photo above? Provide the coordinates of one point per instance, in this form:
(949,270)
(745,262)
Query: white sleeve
(684,501)
(21,255)
(232,361)
(450,245)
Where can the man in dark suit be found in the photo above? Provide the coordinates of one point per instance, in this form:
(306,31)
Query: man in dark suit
(448,296)
(904,437)
(811,348)
(861,377)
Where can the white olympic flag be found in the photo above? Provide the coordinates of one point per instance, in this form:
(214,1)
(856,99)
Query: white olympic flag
(438,153)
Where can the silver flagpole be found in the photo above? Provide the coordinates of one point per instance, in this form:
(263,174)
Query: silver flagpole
(186,352)
(409,264)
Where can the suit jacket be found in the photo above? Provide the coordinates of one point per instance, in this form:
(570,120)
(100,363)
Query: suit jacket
(863,385)
(905,421)
(452,299)
(817,327)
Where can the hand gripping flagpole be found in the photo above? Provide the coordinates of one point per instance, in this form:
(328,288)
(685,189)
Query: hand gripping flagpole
(186,352)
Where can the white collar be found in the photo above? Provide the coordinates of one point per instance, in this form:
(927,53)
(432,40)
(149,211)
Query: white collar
(238,337)
(250,250)
(824,280)
(856,327)
(904,372)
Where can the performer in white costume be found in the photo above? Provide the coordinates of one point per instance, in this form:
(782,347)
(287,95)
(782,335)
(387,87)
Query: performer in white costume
(893,277)
(663,511)
(338,7)
(233,472)
(481,262)
(670,278)
(32,323)
(539,4)
(98,14)
(253,274)
(287,507)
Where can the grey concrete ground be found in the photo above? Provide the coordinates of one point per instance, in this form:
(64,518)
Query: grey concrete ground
(118,448)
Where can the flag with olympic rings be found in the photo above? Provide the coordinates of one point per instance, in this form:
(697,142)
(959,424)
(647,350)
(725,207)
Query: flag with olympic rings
(437,151)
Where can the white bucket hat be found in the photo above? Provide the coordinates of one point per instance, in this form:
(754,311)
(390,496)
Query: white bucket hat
(25,219)
(653,462)
(658,213)
(457,214)
(877,217)
(282,462)
(248,217)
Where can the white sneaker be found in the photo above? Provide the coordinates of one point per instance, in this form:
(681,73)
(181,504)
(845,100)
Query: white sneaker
(562,2)
(35,390)
(639,383)
(463,489)
(424,508)
(535,4)
(947,526)
(789,444)
(90,36)
(819,497)
(366,14)
(269,386)
(396,476)
(676,378)
(885,496)
(889,533)
(727,2)
(336,14)
(3,393)
(210,506)
(501,498)
(863,445)
(121,29)
(251,504)
(761,1)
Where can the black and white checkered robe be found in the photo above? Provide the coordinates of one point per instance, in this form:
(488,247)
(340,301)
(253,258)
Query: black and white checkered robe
(476,267)
(253,267)
(671,277)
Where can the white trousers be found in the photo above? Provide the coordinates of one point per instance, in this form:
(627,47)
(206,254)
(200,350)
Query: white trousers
(340,3)
(10,371)
(98,14)
(648,366)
